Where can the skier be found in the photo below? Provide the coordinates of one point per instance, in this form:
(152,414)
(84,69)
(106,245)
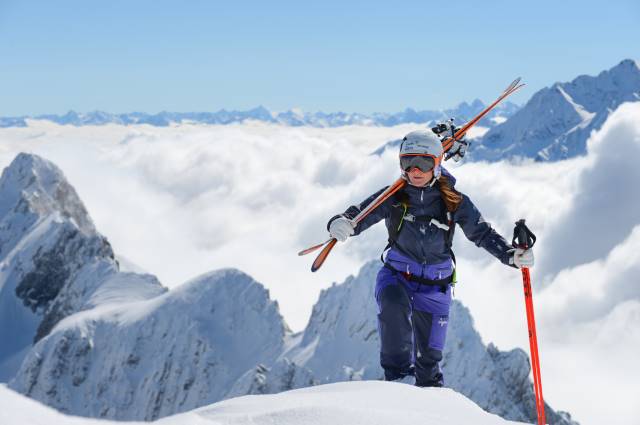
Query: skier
(413,288)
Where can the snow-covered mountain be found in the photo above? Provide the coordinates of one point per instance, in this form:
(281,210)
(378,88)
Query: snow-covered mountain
(148,359)
(53,263)
(118,345)
(295,117)
(556,123)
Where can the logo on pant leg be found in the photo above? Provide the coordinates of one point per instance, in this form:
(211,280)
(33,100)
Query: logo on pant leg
(442,321)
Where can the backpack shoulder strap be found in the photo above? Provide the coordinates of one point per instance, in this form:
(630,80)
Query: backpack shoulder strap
(399,209)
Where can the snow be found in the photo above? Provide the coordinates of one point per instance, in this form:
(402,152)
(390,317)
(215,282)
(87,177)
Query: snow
(499,119)
(584,114)
(18,323)
(17,409)
(366,403)
(357,403)
(127,265)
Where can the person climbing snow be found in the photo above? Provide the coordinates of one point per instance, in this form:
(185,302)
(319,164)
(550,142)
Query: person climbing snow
(413,287)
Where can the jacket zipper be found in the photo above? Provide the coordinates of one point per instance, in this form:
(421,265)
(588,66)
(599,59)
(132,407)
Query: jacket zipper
(424,234)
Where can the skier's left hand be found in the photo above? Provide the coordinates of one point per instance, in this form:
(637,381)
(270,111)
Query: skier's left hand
(522,258)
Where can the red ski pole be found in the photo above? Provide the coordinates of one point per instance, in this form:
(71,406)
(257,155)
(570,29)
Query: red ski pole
(524,238)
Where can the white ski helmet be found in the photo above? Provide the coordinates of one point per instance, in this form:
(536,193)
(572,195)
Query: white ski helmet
(423,143)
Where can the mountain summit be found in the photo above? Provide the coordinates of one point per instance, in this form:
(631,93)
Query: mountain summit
(34,188)
(52,260)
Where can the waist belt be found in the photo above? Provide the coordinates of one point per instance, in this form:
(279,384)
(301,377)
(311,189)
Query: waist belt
(423,280)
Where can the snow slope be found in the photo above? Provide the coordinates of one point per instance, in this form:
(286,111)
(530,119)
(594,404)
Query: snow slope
(354,403)
(357,403)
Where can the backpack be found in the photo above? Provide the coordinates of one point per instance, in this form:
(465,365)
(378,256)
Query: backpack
(399,215)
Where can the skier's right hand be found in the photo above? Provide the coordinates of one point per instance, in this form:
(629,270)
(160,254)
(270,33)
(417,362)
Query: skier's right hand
(341,228)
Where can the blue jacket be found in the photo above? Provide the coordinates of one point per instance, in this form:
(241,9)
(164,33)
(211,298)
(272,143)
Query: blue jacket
(425,243)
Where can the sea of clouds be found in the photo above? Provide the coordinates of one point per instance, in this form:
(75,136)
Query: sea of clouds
(184,200)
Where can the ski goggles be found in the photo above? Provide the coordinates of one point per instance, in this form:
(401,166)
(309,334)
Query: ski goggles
(421,162)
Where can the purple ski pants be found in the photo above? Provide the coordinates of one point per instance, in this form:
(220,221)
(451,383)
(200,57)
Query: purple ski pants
(412,324)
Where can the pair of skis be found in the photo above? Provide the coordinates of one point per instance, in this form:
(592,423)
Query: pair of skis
(447,143)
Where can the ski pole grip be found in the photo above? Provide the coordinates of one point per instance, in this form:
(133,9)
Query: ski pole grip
(522,236)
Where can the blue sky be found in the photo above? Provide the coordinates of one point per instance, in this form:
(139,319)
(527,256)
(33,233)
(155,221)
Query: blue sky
(122,56)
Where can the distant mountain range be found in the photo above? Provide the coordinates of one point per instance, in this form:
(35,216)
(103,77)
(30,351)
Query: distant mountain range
(556,123)
(461,113)
(553,125)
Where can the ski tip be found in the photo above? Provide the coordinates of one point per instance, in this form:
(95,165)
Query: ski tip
(319,261)
(519,86)
(313,248)
(316,265)
(513,86)
(308,250)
